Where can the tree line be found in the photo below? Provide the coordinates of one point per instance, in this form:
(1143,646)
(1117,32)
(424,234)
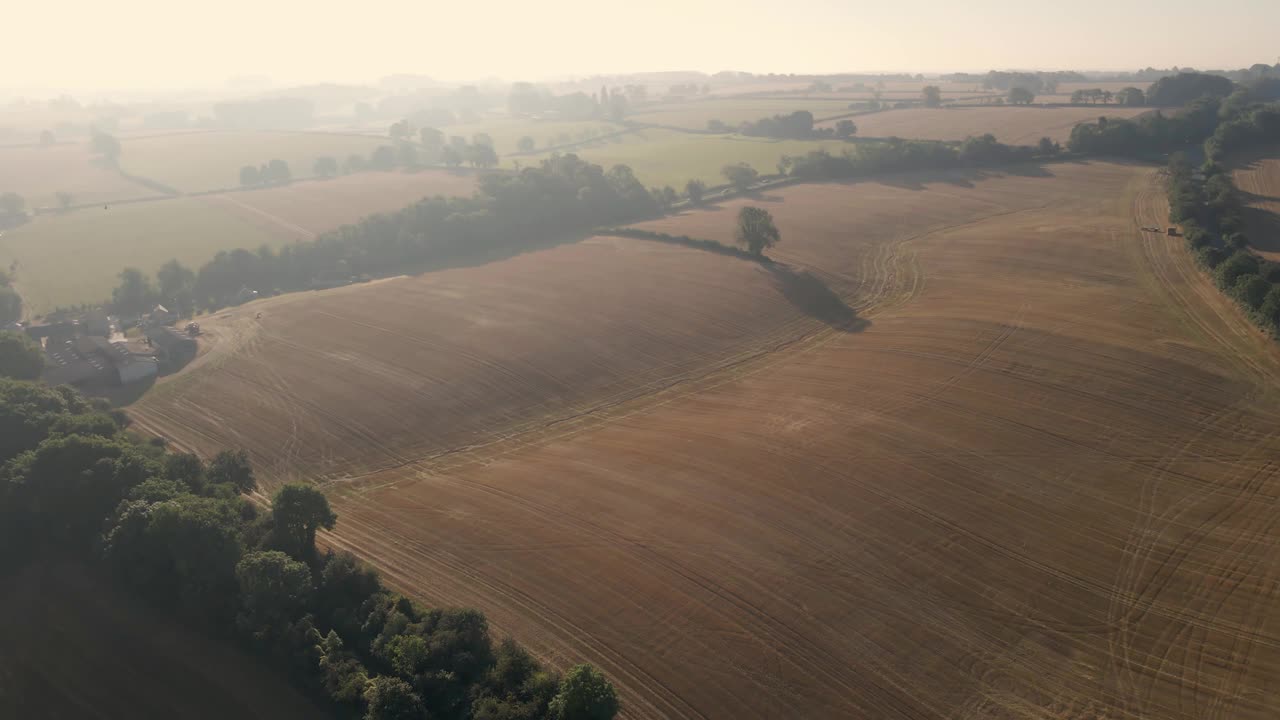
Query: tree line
(896,154)
(563,195)
(794,126)
(181,535)
(1231,116)
(1131,96)
(1209,208)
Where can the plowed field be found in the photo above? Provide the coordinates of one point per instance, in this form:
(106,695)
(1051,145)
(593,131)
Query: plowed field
(1036,479)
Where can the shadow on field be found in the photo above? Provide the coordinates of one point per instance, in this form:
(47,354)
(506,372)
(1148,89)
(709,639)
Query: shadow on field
(1262,226)
(812,297)
(960,177)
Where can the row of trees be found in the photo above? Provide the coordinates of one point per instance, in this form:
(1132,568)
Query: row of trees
(896,155)
(798,125)
(1131,96)
(180,533)
(275,172)
(1209,212)
(1227,121)
(564,194)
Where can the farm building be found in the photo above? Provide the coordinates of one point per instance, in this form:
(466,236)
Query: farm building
(172,346)
(90,358)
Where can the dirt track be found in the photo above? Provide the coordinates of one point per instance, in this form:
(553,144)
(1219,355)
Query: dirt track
(1039,483)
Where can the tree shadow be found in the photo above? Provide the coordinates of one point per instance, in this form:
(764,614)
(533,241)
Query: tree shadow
(1263,227)
(811,296)
(119,395)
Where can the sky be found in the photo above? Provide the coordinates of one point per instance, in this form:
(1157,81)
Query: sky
(177,44)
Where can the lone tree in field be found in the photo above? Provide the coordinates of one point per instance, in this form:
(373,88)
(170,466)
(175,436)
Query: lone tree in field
(326,166)
(756,230)
(695,190)
(106,146)
(12,204)
(1020,96)
(932,96)
(846,129)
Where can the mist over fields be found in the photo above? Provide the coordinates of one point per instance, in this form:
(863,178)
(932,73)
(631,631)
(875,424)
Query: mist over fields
(562,362)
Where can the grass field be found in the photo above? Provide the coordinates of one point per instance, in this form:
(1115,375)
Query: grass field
(194,162)
(671,157)
(74,258)
(302,210)
(193,229)
(1257,175)
(74,647)
(1013,125)
(1037,480)
(38,174)
(695,114)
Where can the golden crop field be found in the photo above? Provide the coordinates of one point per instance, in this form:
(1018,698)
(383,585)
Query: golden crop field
(1033,478)
(1012,125)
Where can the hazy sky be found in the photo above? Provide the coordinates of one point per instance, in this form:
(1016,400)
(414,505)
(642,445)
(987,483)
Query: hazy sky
(177,44)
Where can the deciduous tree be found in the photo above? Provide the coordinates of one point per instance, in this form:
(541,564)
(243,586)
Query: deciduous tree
(297,512)
(20,357)
(585,694)
(756,230)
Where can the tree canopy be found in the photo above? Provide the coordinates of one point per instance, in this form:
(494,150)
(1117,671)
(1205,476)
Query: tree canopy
(585,694)
(20,357)
(756,230)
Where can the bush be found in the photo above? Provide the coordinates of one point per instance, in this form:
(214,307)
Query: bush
(20,357)
(1250,291)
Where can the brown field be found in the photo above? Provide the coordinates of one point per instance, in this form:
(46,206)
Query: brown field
(1013,125)
(74,647)
(1258,177)
(39,173)
(304,209)
(1038,481)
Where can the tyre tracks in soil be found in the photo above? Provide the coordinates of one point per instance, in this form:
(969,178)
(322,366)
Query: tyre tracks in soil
(1148,567)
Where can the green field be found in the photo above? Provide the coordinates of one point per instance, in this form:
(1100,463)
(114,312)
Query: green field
(194,162)
(695,114)
(671,157)
(74,258)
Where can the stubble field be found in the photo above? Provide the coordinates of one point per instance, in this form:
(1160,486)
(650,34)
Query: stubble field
(38,174)
(1257,175)
(1012,125)
(1035,479)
